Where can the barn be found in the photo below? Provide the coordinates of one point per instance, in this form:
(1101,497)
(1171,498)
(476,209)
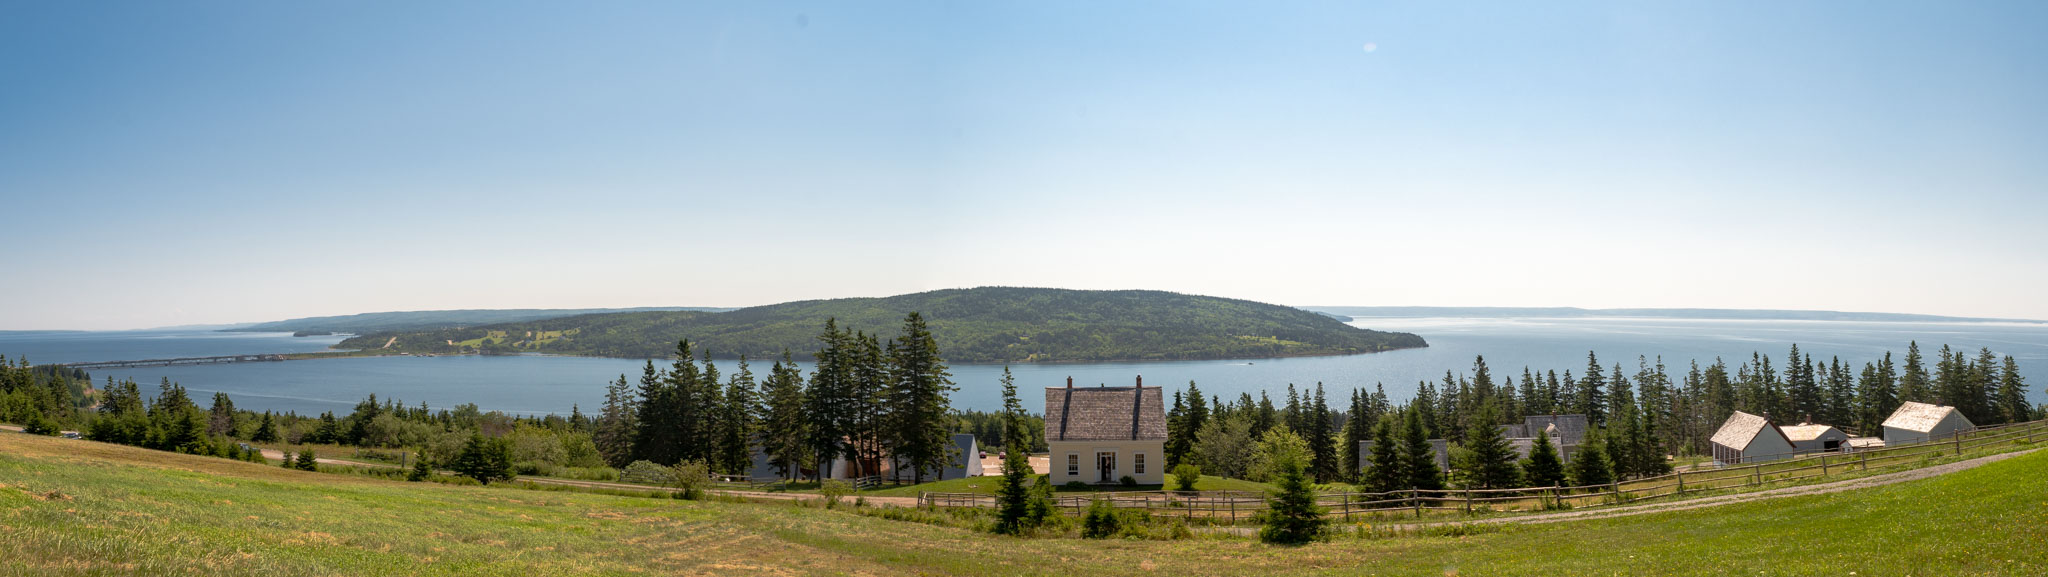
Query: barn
(1103,434)
(1922,422)
(1811,438)
(1747,438)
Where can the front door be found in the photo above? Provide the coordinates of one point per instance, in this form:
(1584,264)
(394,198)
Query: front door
(1105,463)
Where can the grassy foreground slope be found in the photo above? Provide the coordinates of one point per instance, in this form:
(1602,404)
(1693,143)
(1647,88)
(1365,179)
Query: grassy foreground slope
(988,324)
(76,508)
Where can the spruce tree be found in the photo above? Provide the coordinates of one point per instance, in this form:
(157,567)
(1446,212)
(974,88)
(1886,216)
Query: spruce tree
(1418,457)
(1589,465)
(2012,393)
(1543,467)
(1388,470)
(1292,516)
(1357,428)
(783,423)
(1492,463)
(1592,398)
(922,399)
(1013,494)
(306,461)
(266,431)
(830,397)
(421,469)
(1913,382)
(616,423)
(1325,465)
(737,426)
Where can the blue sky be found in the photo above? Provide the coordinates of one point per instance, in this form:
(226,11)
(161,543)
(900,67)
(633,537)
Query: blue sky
(202,162)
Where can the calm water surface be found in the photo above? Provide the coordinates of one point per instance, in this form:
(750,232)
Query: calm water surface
(542,384)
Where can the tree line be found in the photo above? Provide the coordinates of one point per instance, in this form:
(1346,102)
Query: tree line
(865,403)
(1636,420)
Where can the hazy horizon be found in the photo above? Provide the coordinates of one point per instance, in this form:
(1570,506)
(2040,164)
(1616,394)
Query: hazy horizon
(211,163)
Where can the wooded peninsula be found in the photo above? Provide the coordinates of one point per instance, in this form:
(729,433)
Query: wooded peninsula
(977,325)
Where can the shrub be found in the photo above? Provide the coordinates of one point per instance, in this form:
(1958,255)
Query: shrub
(1075,486)
(834,490)
(484,459)
(306,461)
(39,424)
(286,461)
(1128,481)
(421,469)
(1039,509)
(1292,516)
(1102,522)
(690,478)
(647,472)
(1186,475)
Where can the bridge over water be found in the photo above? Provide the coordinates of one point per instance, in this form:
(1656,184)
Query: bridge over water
(178,362)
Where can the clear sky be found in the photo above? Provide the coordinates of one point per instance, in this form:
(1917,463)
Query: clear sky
(204,162)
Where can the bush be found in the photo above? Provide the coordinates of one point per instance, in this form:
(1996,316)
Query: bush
(39,424)
(306,461)
(484,459)
(421,469)
(1102,522)
(1128,481)
(1185,476)
(647,472)
(1075,486)
(834,490)
(690,478)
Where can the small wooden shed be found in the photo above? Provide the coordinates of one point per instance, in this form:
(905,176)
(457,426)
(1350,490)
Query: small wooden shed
(1811,438)
(1747,438)
(1922,422)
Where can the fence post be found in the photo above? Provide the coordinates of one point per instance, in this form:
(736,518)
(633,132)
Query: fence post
(1347,507)
(1758,471)
(1415,498)
(1618,497)
(1233,508)
(1681,483)
(1823,465)
(1468,500)
(1959,441)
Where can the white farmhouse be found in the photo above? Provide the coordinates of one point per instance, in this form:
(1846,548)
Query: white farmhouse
(1811,438)
(1747,438)
(1102,434)
(1922,422)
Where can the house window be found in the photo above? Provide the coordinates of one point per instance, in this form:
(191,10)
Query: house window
(1073,464)
(1138,463)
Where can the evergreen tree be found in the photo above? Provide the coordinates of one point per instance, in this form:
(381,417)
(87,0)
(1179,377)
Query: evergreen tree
(222,419)
(1357,428)
(659,434)
(830,397)
(737,426)
(1543,468)
(421,469)
(921,399)
(1265,418)
(875,408)
(1841,391)
(1388,470)
(1292,516)
(617,422)
(484,459)
(2012,393)
(1418,457)
(266,431)
(1533,400)
(1983,389)
(783,423)
(1013,496)
(1492,463)
(1877,395)
(306,461)
(1592,398)
(1324,463)
(1589,465)
(1913,382)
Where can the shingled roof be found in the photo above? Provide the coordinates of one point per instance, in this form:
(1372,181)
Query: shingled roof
(1919,417)
(1104,414)
(1742,428)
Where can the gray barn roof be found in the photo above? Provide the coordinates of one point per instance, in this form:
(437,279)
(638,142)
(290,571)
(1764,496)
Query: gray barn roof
(1104,414)
(1571,429)
(1742,428)
(1919,417)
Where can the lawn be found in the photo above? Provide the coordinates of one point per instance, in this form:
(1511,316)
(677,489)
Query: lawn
(72,507)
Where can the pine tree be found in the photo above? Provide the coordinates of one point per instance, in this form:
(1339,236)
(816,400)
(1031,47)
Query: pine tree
(1983,389)
(1543,467)
(1265,418)
(1877,395)
(737,427)
(783,424)
(830,398)
(875,408)
(1013,496)
(922,405)
(421,469)
(1533,400)
(484,459)
(306,461)
(1357,428)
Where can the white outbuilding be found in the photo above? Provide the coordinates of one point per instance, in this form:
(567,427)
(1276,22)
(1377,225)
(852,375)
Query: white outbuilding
(1100,435)
(1747,438)
(1811,438)
(1922,422)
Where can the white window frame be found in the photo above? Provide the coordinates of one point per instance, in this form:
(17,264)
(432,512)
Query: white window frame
(1138,463)
(1073,465)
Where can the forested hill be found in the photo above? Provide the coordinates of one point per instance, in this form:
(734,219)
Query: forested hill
(989,324)
(431,320)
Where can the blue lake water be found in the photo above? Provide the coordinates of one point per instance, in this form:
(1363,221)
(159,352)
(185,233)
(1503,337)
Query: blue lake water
(543,384)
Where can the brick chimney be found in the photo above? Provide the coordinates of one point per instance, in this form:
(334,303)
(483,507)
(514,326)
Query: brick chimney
(1141,381)
(1070,382)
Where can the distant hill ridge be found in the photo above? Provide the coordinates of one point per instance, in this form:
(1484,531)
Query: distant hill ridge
(988,324)
(1686,313)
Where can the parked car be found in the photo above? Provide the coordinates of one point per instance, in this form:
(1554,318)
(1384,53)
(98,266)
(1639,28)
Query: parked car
(73,435)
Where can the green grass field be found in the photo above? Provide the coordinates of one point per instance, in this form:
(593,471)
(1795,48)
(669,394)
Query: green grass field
(80,508)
